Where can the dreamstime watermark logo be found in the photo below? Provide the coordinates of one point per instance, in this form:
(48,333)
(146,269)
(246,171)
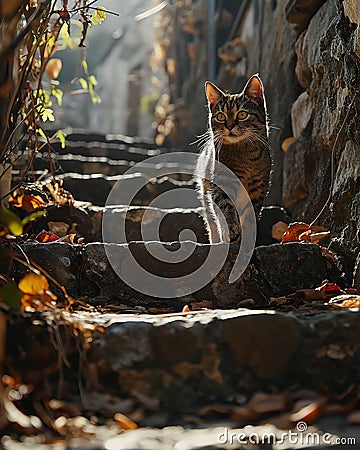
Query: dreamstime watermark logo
(302,436)
(127,260)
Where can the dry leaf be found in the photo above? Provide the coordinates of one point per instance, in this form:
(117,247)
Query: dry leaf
(28,202)
(309,413)
(294,230)
(315,238)
(125,422)
(36,294)
(286,143)
(205,304)
(301,232)
(33,284)
(53,68)
(46,236)
(345,301)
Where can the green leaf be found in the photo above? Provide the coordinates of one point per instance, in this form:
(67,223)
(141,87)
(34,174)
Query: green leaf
(65,38)
(98,16)
(11,295)
(10,221)
(92,80)
(41,132)
(32,216)
(61,136)
(58,94)
(47,114)
(94,97)
(84,83)
(84,66)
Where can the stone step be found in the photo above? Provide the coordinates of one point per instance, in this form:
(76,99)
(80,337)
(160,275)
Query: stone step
(114,150)
(83,135)
(87,165)
(210,357)
(170,275)
(96,187)
(86,221)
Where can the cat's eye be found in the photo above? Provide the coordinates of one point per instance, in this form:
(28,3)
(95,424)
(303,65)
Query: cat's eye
(220,117)
(242,115)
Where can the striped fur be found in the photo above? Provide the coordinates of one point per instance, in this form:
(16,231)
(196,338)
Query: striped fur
(238,138)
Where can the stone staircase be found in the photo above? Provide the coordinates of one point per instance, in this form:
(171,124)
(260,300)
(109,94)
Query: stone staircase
(176,361)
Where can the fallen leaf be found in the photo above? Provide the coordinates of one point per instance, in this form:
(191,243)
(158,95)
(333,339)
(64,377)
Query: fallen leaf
(205,304)
(125,422)
(69,238)
(46,236)
(28,202)
(60,196)
(293,231)
(302,232)
(309,236)
(308,414)
(36,294)
(33,284)
(287,142)
(345,301)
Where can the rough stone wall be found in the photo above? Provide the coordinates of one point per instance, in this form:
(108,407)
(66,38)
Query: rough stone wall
(328,70)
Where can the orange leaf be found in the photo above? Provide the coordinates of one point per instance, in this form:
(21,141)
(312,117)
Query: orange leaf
(33,284)
(125,422)
(309,236)
(28,202)
(46,236)
(345,301)
(287,142)
(69,238)
(53,68)
(308,413)
(294,231)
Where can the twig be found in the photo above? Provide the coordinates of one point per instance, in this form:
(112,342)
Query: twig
(333,151)
(33,266)
(24,31)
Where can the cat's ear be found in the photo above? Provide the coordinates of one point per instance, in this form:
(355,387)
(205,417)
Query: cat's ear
(213,93)
(254,88)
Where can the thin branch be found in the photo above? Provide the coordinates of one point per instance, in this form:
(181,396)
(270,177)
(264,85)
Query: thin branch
(24,31)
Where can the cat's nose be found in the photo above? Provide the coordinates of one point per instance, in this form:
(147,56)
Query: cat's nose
(230,125)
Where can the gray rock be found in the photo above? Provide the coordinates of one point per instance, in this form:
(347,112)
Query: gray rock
(175,362)
(60,260)
(328,67)
(139,277)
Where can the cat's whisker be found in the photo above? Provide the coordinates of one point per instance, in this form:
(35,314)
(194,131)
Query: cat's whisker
(251,142)
(258,137)
(202,138)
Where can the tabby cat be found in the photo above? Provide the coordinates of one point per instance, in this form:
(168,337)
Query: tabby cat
(238,138)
